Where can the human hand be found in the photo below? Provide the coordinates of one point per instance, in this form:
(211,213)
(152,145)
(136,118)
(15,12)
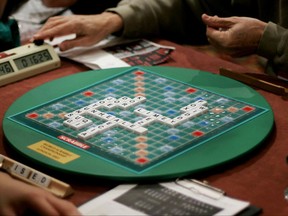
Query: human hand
(236,36)
(89,29)
(16,198)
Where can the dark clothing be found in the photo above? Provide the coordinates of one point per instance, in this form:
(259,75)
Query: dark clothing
(11,5)
(180,20)
(9,32)
(92,6)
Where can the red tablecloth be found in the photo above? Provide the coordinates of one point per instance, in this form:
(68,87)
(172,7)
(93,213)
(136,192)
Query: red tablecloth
(260,179)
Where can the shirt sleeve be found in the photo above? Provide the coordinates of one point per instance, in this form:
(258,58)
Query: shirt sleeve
(274,46)
(173,19)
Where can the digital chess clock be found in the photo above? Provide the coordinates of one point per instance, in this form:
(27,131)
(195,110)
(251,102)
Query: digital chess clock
(27,60)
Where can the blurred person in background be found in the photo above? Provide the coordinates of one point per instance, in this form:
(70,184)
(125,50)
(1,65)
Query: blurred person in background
(9,33)
(235,27)
(17,197)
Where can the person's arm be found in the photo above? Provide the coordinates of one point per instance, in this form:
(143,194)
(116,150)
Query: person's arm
(274,46)
(16,198)
(141,18)
(58,3)
(239,36)
(236,36)
(89,29)
(172,19)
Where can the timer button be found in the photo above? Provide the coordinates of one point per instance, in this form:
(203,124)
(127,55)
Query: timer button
(38,42)
(5,55)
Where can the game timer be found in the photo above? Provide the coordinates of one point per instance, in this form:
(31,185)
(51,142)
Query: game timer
(138,123)
(27,60)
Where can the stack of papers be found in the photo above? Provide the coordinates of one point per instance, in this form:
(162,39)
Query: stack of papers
(115,52)
(184,197)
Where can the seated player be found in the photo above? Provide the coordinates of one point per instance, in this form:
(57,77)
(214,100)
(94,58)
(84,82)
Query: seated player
(19,198)
(181,21)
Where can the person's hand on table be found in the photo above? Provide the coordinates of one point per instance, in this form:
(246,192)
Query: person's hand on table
(89,29)
(16,198)
(236,36)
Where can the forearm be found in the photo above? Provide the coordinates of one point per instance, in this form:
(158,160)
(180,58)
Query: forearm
(113,23)
(273,46)
(139,17)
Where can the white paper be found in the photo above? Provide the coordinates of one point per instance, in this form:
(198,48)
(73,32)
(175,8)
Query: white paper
(95,57)
(106,204)
(35,12)
(31,16)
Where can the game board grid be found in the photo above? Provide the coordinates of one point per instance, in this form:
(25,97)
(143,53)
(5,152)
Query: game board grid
(163,98)
(153,151)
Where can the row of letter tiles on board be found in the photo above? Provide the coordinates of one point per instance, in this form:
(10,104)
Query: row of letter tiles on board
(137,127)
(109,103)
(93,131)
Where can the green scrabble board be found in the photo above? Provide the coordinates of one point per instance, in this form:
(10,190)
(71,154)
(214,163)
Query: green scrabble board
(138,123)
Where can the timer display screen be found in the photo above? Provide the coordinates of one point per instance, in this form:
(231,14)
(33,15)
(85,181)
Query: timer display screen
(32,59)
(5,68)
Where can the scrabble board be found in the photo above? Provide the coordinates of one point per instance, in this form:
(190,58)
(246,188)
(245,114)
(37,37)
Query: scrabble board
(138,122)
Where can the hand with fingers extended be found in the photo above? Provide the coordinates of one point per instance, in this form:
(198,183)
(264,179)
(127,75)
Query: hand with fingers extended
(89,29)
(236,36)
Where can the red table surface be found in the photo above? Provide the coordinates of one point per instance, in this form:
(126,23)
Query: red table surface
(259,178)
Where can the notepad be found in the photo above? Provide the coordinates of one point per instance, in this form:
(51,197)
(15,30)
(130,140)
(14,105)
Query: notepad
(182,197)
